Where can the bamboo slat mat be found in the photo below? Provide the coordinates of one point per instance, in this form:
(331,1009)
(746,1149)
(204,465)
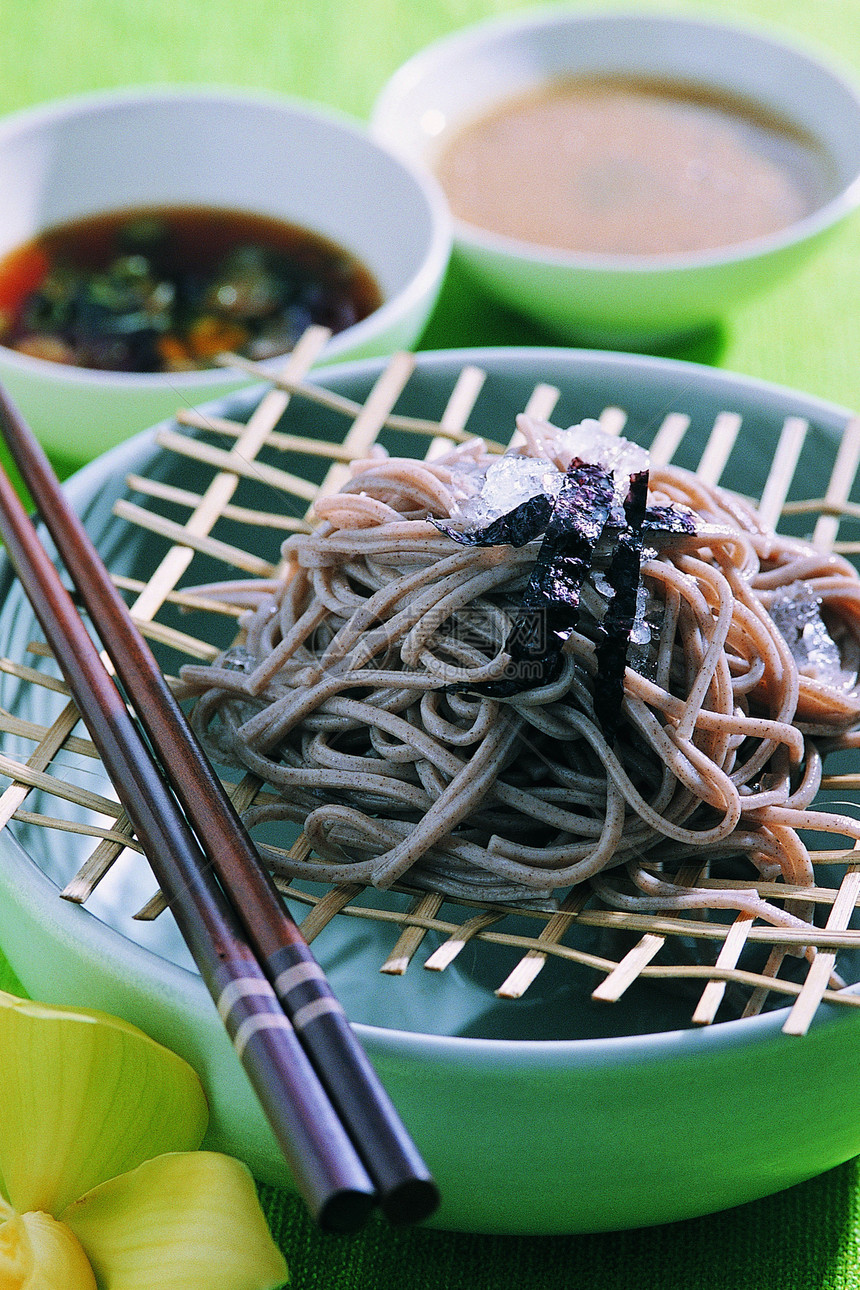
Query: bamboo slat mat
(265,451)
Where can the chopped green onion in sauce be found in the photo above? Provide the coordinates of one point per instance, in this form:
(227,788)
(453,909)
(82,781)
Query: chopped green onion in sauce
(168,289)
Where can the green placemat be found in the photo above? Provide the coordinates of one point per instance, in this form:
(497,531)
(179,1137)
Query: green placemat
(802,1239)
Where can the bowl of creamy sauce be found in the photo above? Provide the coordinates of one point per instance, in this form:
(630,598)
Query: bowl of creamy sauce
(628,177)
(617,166)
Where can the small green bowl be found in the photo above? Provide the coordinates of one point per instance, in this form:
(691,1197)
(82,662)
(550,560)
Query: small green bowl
(629,301)
(218,147)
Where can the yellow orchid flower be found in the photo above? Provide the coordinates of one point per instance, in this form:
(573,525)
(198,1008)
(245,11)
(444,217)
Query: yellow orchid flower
(102,1185)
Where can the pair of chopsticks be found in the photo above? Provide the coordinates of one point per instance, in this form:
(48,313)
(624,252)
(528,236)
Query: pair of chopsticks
(345,1144)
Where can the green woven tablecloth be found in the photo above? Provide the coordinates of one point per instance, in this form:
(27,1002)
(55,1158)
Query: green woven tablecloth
(805,334)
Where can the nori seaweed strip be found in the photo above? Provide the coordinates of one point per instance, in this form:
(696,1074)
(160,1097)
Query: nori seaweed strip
(520,526)
(665,519)
(528,520)
(550,606)
(613,634)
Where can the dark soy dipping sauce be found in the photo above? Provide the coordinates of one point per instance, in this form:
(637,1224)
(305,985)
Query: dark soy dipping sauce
(168,289)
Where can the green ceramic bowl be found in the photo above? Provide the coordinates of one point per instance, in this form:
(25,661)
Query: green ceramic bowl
(626,301)
(218,147)
(551,1114)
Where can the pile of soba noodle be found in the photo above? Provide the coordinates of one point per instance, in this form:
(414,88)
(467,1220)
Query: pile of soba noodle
(360,693)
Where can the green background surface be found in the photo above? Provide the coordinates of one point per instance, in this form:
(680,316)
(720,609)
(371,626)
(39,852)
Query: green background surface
(805,334)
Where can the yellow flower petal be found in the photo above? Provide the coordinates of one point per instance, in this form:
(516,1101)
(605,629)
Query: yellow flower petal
(187,1221)
(83,1097)
(38,1253)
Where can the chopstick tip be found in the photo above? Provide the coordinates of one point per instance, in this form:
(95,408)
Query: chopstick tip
(345,1211)
(412,1201)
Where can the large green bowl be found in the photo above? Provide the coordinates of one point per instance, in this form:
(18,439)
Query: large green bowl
(549,1114)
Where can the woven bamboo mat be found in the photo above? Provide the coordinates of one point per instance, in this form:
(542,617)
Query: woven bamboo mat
(265,451)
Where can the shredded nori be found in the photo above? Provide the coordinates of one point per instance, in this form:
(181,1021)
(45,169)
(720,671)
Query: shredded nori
(572,524)
(665,519)
(613,633)
(550,606)
(519,527)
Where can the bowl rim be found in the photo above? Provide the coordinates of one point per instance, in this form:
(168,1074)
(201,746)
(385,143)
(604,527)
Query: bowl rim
(111,949)
(476,35)
(425,278)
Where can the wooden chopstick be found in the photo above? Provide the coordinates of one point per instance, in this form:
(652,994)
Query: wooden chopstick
(325,1166)
(400,1178)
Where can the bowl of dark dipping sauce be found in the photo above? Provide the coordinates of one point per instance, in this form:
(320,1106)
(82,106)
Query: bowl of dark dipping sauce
(628,178)
(146,232)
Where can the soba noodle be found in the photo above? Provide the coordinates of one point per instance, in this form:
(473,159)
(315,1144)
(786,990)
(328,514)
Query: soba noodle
(362,693)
